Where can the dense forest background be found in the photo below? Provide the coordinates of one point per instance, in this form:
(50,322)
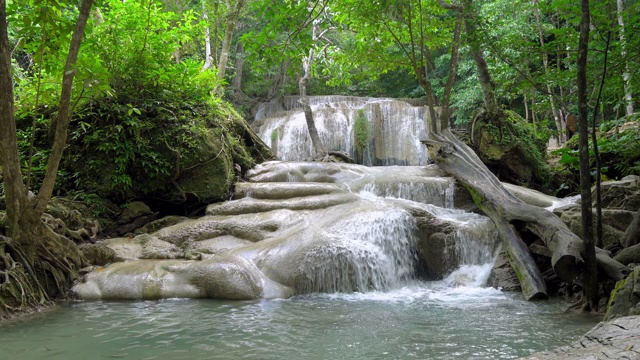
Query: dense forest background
(139,56)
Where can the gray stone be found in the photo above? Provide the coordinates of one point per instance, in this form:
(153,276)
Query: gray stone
(617,339)
(623,194)
(625,298)
(133,211)
(614,222)
(503,276)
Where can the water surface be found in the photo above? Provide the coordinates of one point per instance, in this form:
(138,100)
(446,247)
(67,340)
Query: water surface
(426,320)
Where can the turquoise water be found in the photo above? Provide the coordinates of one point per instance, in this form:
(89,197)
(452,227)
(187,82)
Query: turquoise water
(428,320)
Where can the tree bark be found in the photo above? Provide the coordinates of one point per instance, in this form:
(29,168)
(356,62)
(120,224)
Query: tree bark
(545,62)
(486,84)
(304,101)
(43,254)
(232,21)
(626,76)
(239,65)
(14,189)
(445,112)
(590,276)
(505,210)
(208,58)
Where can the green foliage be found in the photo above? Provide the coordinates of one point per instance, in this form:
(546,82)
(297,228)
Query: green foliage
(619,145)
(136,45)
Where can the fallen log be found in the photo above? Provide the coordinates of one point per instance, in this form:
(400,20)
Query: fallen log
(506,210)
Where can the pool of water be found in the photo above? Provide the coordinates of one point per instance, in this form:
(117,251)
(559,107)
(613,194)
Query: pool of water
(423,320)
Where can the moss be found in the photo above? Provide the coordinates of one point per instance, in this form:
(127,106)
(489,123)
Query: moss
(361,130)
(512,142)
(121,155)
(478,198)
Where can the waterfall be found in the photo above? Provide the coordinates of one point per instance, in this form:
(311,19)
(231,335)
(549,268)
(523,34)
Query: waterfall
(374,250)
(436,191)
(390,135)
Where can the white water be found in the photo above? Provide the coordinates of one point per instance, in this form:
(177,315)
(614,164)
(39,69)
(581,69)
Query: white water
(396,128)
(374,250)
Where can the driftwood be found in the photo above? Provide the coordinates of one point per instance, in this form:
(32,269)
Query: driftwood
(507,211)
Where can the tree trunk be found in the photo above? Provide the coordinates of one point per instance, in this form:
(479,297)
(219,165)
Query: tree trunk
(445,113)
(626,76)
(545,62)
(50,261)
(232,21)
(486,84)
(208,58)
(304,101)
(506,211)
(590,276)
(239,65)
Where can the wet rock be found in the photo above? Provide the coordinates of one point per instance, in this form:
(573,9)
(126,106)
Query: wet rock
(436,245)
(617,339)
(614,222)
(221,277)
(503,276)
(623,194)
(159,224)
(133,211)
(99,254)
(325,239)
(630,255)
(625,298)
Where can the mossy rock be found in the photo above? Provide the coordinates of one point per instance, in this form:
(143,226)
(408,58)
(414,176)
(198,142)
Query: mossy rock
(509,147)
(175,152)
(625,298)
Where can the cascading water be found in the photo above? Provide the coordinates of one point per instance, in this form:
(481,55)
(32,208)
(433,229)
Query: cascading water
(374,250)
(392,132)
(438,192)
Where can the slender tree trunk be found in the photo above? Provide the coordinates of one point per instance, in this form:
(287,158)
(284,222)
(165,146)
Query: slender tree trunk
(486,84)
(626,76)
(14,189)
(232,21)
(208,58)
(43,254)
(304,101)
(545,62)
(526,107)
(445,113)
(594,141)
(216,22)
(239,65)
(590,276)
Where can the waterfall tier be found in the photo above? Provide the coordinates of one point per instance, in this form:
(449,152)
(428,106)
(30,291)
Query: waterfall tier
(299,227)
(375,132)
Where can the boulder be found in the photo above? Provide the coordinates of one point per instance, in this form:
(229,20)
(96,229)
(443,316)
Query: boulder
(623,194)
(503,276)
(133,211)
(618,339)
(510,150)
(625,298)
(614,222)
(630,255)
